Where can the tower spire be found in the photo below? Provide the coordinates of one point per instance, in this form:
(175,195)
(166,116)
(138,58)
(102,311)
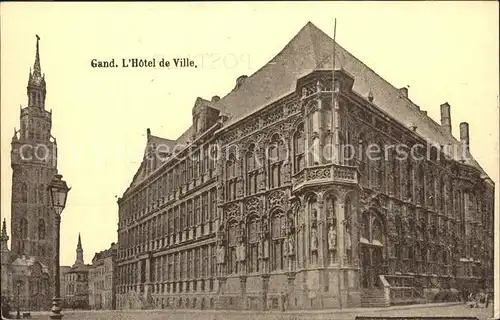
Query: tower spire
(37,70)
(79,252)
(3,242)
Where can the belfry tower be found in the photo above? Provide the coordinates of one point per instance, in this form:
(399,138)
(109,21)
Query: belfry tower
(34,164)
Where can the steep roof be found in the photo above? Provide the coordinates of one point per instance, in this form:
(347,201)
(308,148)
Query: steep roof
(312,49)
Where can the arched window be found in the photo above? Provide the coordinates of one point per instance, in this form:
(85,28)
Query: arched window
(253,245)
(277,236)
(41,229)
(231,178)
(299,148)
(251,169)
(276,155)
(232,262)
(399,231)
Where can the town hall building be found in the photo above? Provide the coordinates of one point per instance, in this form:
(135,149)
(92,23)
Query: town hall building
(272,199)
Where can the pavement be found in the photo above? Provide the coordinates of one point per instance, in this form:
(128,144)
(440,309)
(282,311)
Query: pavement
(434,310)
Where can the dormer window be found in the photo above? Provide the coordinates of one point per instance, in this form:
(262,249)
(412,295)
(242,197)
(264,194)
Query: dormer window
(198,124)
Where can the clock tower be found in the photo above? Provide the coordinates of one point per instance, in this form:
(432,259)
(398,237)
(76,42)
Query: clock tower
(34,163)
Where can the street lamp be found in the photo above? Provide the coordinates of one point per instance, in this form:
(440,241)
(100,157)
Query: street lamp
(18,283)
(58,192)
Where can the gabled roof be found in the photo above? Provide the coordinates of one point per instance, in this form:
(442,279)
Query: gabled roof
(312,49)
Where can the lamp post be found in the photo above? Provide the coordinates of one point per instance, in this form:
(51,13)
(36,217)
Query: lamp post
(18,284)
(58,192)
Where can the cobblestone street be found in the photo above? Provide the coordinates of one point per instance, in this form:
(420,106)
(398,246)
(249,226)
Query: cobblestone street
(441,310)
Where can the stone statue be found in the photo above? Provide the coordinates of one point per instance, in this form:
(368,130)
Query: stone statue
(347,239)
(241,252)
(314,239)
(265,248)
(332,238)
(314,215)
(291,246)
(221,254)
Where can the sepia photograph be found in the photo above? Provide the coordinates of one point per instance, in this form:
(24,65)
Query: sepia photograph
(249,160)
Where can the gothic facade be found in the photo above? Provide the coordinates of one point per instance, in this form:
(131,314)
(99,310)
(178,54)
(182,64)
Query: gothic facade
(290,191)
(33,162)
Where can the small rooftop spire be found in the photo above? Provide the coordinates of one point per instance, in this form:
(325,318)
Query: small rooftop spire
(37,70)
(4,229)
(79,245)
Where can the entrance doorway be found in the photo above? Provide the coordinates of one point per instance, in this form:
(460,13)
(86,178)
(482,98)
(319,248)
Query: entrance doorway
(372,249)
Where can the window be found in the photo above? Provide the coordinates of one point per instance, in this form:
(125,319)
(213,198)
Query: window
(253,244)
(252,173)
(232,244)
(204,207)
(276,155)
(24,192)
(196,206)
(190,213)
(277,223)
(41,229)
(299,148)
(377,161)
(421,184)
(362,164)
(409,180)
(213,207)
(23,226)
(231,178)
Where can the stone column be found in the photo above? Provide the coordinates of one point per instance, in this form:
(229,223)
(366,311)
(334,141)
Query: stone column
(265,288)
(336,124)
(243,292)
(339,209)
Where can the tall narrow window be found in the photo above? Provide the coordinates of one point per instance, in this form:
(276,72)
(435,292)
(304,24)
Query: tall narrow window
(252,173)
(41,229)
(232,244)
(409,180)
(253,244)
(421,184)
(299,148)
(276,152)
(23,226)
(277,223)
(24,192)
(231,178)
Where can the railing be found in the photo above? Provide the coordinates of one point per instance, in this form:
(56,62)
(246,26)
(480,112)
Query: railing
(325,173)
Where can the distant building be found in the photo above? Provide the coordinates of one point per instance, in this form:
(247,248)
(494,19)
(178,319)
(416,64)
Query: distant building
(25,280)
(62,280)
(102,282)
(76,282)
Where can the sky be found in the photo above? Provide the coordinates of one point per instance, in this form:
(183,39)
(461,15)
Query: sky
(444,51)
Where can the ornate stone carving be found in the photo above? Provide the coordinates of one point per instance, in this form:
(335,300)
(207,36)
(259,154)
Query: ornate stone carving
(253,205)
(221,254)
(232,210)
(277,199)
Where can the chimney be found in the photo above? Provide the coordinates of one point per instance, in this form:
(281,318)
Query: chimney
(239,81)
(446,117)
(404,91)
(464,135)
(215,98)
(148,132)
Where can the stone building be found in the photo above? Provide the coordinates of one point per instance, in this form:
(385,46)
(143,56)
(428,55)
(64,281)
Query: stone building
(25,280)
(34,164)
(76,281)
(274,196)
(102,280)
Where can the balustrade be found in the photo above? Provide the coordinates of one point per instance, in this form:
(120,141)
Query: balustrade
(328,172)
